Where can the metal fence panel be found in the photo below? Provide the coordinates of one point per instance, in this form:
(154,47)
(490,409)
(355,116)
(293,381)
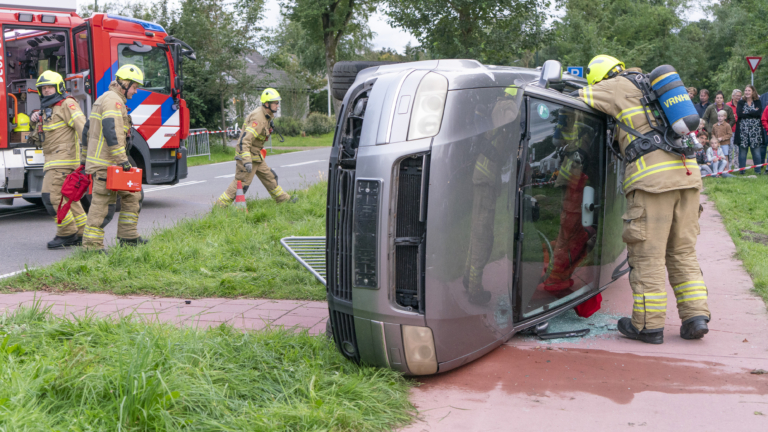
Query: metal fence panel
(198,145)
(309,252)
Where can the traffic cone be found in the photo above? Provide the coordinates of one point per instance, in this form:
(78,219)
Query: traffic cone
(240,197)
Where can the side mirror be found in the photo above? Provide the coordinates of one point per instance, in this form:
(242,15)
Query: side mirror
(551,73)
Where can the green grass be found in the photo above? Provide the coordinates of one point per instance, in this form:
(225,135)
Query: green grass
(227,253)
(309,141)
(742,204)
(222,154)
(91,374)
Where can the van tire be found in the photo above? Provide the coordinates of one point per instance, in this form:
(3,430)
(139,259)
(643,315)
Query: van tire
(345,72)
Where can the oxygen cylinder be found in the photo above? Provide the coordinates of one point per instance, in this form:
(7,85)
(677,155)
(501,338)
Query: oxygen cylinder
(674,100)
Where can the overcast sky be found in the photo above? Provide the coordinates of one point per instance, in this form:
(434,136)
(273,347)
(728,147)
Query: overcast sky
(388,37)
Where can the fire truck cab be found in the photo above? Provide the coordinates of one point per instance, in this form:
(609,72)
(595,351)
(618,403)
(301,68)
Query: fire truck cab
(88,53)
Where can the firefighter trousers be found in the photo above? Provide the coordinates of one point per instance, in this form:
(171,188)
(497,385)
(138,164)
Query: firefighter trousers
(102,211)
(263,172)
(481,235)
(660,230)
(74,221)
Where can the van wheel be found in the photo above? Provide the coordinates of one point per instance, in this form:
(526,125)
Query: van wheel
(345,72)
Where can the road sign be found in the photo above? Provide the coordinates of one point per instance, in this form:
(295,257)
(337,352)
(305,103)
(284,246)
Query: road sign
(753,63)
(576,71)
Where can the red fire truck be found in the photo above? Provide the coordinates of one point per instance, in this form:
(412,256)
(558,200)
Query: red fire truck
(88,52)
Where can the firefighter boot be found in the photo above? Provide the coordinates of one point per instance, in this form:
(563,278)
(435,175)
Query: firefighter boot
(694,328)
(655,336)
(61,242)
(132,242)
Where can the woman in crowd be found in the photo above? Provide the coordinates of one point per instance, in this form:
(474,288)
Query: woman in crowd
(749,129)
(710,115)
(735,98)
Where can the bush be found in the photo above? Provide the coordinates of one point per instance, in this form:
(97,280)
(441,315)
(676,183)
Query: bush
(319,124)
(289,126)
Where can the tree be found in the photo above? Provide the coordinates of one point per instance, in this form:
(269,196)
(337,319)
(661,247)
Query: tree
(341,26)
(491,31)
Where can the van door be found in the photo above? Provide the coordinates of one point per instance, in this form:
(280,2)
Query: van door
(560,197)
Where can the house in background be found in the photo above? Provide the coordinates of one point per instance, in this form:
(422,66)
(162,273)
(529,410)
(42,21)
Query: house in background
(295,94)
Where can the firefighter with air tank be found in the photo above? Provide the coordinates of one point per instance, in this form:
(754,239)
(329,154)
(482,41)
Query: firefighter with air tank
(662,184)
(106,132)
(62,124)
(249,157)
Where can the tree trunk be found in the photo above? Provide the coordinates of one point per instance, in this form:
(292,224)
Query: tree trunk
(223,122)
(330,60)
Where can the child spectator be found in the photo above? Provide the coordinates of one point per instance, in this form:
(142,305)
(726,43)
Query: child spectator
(722,131)
(716,158)
(702,127)
(701,153)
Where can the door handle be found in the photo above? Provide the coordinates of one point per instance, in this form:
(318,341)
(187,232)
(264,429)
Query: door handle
(588,207)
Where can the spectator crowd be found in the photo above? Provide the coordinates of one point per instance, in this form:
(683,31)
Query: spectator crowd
(728,131)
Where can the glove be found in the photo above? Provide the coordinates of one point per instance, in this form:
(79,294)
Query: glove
(249,167)
(126,166)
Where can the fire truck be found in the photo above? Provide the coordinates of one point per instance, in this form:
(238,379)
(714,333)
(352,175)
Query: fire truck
(49,35)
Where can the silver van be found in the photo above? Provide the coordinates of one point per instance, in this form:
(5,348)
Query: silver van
(465,203)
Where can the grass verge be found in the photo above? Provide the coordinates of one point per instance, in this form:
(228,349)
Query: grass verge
(308,141)
(92,374)
(227,253)
(221,154)
(742,204)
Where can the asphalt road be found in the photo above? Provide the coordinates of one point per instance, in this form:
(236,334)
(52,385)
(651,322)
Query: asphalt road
(25,228)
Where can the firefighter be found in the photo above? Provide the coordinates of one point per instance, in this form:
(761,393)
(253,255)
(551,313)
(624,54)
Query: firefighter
(62,124)
(661,222)
(107,128)
(255,132)
(486,179)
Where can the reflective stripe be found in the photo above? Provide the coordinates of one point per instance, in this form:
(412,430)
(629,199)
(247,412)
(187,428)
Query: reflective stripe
(68,219)
(243,154)
(689,284)
(662,77)
(98,161)
(117,151)
(701,295)
(53,126)
(225,199)
(93,233)
(276,192)
(72,118)
(80,219)
(483,167)
(111,113)
(588,96)
(128,218)
(659,167)
(650,302)
(61,163)
(251,130)
(95,116)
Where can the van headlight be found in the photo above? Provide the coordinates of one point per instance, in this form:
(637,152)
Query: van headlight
(428,107)
(419,350)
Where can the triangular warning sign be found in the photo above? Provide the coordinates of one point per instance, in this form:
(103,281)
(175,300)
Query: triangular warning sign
(753,63)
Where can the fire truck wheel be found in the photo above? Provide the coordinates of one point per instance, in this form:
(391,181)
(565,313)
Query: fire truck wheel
(35,201)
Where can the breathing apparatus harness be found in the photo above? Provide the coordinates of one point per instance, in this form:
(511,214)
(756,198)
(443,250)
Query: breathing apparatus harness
(662,136)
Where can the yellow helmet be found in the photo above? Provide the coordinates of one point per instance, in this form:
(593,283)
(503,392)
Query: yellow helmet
(270,95)
(511,90)
(51,78)
(22,121)
(603,66)
(130,72)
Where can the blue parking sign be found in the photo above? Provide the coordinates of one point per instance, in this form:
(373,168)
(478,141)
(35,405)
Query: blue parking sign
(576,71)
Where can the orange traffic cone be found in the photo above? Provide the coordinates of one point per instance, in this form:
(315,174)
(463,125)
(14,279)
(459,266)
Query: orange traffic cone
(240,197)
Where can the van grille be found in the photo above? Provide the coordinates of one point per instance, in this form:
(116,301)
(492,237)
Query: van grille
(344,334)
(339,233)
(410,234)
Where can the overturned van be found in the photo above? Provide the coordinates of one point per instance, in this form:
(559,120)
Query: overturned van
(465,203)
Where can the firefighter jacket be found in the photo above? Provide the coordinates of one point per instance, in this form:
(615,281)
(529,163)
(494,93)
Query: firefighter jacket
(572,138)
(63,131)
(656,172)
(255,133)
(107,128)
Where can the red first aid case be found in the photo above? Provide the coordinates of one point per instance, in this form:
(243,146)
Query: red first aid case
(119,180)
